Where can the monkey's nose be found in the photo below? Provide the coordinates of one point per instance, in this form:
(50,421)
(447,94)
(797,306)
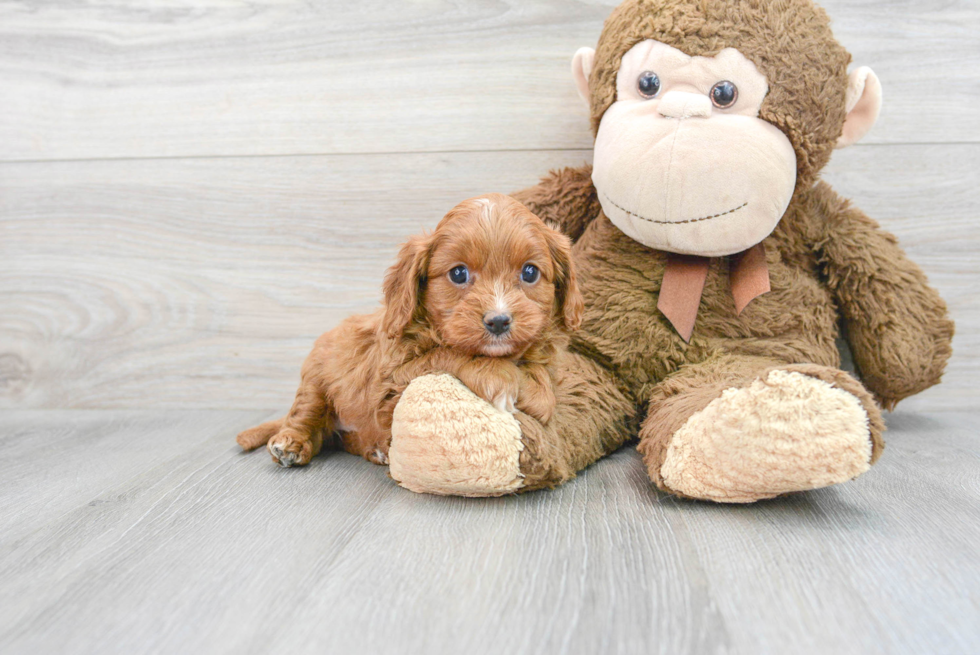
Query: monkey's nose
(681,104)
(498,324)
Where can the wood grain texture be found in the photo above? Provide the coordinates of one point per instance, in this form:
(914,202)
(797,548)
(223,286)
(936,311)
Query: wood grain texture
(191,192)
(86,454)
(203,283)
(169,283)
(202,549)
(928,197)
(107,80)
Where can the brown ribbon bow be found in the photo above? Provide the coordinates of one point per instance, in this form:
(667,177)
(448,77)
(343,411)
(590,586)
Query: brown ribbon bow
(684,276)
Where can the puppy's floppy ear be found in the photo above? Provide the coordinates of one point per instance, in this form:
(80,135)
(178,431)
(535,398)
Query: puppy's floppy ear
(567,294)
(404,283)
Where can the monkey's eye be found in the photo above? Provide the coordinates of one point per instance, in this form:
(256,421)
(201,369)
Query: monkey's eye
(530,273)
(648,84)
(724,94)
(459,275)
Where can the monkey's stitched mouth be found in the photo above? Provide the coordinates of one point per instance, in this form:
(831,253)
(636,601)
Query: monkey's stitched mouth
(690,220)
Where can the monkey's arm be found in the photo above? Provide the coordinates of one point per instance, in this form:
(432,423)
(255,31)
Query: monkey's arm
(565,198)
(897,325)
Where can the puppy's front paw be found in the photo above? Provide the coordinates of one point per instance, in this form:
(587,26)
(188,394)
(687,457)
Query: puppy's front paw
(495,381)
(501,390)
(500,393)
(290,448)
(505,401)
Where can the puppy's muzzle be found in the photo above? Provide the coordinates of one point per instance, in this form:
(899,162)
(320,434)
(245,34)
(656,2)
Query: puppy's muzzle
(497,325)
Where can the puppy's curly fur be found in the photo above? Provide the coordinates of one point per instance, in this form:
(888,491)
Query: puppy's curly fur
(488,297)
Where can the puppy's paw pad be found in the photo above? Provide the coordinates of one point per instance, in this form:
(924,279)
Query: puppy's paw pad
(282,458)
(378,457)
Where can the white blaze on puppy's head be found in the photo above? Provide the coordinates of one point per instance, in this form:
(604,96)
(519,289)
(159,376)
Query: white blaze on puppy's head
(487,208)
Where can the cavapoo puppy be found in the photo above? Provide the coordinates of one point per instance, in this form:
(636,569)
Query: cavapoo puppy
(488,297)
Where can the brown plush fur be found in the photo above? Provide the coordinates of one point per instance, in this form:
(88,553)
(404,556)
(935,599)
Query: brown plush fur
(592,418)
(830,265)
(690,390)
(356,373)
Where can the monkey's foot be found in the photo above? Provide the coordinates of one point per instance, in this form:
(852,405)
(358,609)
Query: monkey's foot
(784,432)
(446,440)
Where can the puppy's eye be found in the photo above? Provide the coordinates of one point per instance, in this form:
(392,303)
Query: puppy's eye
(648,84)
(459,275)
(530,273)
(724,94)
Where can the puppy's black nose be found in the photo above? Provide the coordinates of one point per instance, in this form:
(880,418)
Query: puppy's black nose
(497,324)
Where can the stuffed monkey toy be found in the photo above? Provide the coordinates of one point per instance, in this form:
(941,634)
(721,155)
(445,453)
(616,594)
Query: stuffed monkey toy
(717,271)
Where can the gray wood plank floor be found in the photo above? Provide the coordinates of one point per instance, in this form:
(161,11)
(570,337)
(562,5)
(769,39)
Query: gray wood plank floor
(148,532)
(190,193)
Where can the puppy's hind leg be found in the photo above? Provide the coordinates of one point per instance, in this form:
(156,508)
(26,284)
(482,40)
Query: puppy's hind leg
(252,438)
(311,417)
(371,447)
(301,435)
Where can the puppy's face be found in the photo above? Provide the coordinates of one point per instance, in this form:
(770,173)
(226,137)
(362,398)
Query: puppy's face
(495,278)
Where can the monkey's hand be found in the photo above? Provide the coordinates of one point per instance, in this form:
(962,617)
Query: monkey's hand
(897,325)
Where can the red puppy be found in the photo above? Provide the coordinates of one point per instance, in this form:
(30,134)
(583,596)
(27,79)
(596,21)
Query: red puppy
(488,297)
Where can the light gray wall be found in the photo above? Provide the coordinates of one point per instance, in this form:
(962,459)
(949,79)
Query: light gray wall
(190,194)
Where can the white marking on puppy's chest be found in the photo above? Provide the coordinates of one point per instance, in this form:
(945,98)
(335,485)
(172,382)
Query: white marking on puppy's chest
(341,426)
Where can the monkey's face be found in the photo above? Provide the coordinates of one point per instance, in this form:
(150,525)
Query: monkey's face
(683,163)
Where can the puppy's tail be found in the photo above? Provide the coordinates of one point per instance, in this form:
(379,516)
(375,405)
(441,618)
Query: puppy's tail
(259,435)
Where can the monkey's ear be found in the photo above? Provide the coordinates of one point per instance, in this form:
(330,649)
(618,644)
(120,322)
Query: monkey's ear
(581,69)
(403,285)
(863,105)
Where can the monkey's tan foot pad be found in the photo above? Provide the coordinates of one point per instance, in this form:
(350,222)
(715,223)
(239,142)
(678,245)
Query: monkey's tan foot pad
(446,440)
(787,432)
(289,449)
